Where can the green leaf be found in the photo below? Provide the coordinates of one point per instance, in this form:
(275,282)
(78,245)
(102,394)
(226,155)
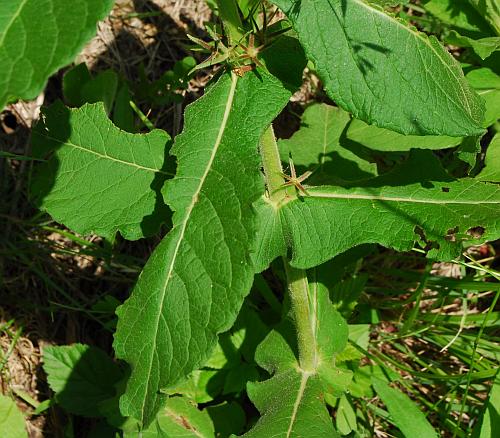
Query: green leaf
(316,146)
(100,179)
(492,162)
(386,140)
(180,418)
(371,63)
(11,419)
(228,418)
(460,15)
(291,401)
(487,85)
(416,201)
(346,416)
(38,37)
(489,424)
(484,47)
(489,10)
(194,283)
(81,376)
(404,413)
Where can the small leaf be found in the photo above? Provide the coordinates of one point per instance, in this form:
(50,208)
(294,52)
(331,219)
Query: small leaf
(11,419)
(38,37)
(492,161)
(228,418)
(484,47)
(100,179)
(169,326)
(316,146)
(383,71)
(81,376)
(386,140)
(404,413)
(345,416)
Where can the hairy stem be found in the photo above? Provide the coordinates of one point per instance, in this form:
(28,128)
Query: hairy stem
(298,285)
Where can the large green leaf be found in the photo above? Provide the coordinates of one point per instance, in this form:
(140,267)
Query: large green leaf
(194,283)
(291,401)
(11,419)
(417,201)
(81,376)
(404,413)
(98,178)
(383,71)
(37,37)
(316,146)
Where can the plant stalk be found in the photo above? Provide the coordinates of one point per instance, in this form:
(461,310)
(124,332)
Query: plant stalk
(298,285)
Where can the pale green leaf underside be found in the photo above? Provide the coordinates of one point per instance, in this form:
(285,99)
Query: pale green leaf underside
(11,419)
(404,413)
(332,219)
(317,146)
(194,283)
(489,425)
(98,178)
(37,37)
(291,401)
(383,71)
(385,140)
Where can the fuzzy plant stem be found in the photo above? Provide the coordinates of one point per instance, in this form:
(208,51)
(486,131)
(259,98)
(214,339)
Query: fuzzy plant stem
(298,285)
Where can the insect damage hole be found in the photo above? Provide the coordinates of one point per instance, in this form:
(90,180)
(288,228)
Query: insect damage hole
(476,232)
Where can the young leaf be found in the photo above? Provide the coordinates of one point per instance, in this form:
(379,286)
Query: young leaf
(100,179)
(383,71)
(417,201)
(291,401)
(404,413)
(386,140)
(11,419)
(81,376)
(194,283)
(316,146)
(38,37)
(492,170)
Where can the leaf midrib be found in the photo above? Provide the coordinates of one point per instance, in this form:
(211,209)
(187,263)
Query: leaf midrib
(326,195)
(298,399)
(14,18)
(105,156)
(189,209)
